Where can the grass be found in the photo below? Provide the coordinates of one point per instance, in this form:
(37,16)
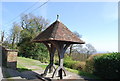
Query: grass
(82,73)
(72,70)
(43,66)
(27,61)
(24,63)
(23,69)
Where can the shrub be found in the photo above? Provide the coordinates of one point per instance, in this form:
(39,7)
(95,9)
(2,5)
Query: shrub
(56,59)
(107,66)
(79,65)
(89,66)
(68,62)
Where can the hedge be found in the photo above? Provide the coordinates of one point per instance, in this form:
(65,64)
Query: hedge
(89,66)
(69,63)
(107,66)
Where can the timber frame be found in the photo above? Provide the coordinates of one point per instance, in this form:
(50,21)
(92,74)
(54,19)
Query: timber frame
(61,48)
(57,37)
(51,50)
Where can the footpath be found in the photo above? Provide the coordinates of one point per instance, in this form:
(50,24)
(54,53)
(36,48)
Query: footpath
(15,75)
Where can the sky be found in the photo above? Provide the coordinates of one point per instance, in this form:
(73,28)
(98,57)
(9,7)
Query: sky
(97,22)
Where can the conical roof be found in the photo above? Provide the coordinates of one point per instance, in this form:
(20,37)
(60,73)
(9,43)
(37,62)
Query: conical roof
(58,32)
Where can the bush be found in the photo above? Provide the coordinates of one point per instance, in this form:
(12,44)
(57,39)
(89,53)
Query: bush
(79,65)
(56,59)
(68,62)
(89,66)
(107,66)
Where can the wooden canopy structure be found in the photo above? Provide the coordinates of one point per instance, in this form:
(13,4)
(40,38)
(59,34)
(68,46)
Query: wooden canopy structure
(57,37)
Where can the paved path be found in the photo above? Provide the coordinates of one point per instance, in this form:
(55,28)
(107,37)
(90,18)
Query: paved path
(35,75)
(1,76)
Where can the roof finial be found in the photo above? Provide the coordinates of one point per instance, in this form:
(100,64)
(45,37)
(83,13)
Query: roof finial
(57,17)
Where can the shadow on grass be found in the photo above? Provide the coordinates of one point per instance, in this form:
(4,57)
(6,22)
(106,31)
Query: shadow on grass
(21,74)
(23,69)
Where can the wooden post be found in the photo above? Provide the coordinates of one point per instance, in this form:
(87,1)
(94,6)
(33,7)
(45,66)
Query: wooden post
(61,48)
(50,67)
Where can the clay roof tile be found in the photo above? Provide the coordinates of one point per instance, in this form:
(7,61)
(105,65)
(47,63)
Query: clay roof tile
(57,31)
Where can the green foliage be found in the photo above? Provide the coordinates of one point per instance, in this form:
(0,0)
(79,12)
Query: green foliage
(43,66)
(7,45)
(90,75)
(68,62)
(80,56)
(25,64)
(72,70)
(32,50)
(22,35)
(15,33)
(89,66)
(32,26)
(107,66)
(79,65)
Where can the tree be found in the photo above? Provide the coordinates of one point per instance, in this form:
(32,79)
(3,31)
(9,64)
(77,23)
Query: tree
(90,49)
(15,34)
(32,26)
(29,21)
(2,36)
(73,45)
(79,51)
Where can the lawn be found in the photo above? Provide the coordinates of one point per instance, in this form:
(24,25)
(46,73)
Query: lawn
(25,64)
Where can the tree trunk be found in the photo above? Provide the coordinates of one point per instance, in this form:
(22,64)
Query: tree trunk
(2,37)
(13,40)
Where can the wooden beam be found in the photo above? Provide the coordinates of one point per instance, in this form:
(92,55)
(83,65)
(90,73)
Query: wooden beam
(61,48)
(52,50)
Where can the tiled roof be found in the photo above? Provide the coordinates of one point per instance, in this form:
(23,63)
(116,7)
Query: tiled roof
(58,32)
